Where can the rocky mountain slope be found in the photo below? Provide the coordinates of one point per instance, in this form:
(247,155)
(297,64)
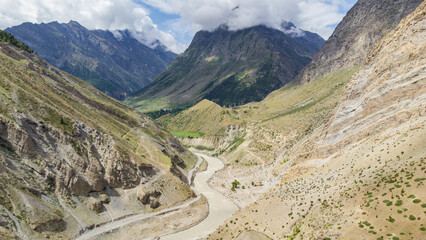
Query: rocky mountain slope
(256,140)
(361,174)
(363,26)
(274,126)
(230,67)
(115,63)
(71,157)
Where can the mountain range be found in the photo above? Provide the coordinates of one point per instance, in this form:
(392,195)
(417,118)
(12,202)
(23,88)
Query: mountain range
(336,151)
(114,62)
(230,67)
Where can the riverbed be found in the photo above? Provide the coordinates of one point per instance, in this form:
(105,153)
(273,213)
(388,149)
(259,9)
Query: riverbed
(220,207)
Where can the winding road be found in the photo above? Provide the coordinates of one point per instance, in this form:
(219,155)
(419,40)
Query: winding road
(220,208)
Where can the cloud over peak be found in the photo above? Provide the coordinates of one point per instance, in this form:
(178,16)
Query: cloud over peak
(318,16)
(189,16)
(92,14)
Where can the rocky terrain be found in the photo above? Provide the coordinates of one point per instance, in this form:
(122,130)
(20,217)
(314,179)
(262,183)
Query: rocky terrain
(363,26)
(300,127)
(337,153)
(114,62)
(230,67)
(361,174)
(73,158)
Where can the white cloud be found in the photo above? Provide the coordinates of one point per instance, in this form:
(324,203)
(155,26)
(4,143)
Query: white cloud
(93,14)
(318,16)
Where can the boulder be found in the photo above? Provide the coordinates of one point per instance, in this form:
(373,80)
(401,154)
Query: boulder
(154,202)
(105,199)
(143,197)
(54,224)
(95,205)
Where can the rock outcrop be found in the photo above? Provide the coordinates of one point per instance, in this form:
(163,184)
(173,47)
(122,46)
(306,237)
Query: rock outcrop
(362,27)
(150,197)
(388,91)
(95,205)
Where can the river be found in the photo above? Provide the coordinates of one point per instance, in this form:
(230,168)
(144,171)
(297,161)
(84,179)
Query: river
(220,207)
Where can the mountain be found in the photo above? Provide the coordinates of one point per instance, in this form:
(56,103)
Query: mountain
(362,27)
(72,157)
(115,63)
(230,67)
(361,174)
(341,156)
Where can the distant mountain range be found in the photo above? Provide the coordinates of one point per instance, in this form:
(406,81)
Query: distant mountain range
(115,63)
(231,67)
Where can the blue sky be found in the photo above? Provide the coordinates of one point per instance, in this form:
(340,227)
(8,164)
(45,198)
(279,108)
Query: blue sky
(163,17)
(163,20)
(174,22)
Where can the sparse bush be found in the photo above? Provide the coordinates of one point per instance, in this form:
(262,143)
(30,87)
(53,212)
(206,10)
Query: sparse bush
(235,184)
(398,203)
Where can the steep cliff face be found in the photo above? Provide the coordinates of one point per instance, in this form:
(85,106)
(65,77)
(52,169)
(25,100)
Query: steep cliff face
(388,91)
(114,62)
(362,27)
(77,163)
(67,150)
(230,67)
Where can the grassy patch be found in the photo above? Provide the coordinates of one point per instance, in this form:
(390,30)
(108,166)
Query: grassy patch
(204,148)
(187,134)
(236,143)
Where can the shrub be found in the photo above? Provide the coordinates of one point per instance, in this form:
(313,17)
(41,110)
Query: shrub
(235,184)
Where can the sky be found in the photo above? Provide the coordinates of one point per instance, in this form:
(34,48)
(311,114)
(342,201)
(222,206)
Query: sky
(174,22)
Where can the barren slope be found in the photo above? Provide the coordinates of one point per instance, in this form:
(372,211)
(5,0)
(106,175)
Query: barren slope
(363,26)
(361,175)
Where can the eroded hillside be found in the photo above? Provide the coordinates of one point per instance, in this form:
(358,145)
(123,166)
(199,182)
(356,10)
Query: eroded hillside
(257,139)
(363,26)
(71,157)
(361,174)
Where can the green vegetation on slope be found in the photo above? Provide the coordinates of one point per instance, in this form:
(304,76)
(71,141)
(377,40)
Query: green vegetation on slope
(186,134)
(59,99)
(294,110)
(229,68)
(206,117)
(115,65)
(7,37)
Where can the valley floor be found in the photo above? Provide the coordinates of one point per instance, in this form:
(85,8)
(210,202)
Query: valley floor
(200,216)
